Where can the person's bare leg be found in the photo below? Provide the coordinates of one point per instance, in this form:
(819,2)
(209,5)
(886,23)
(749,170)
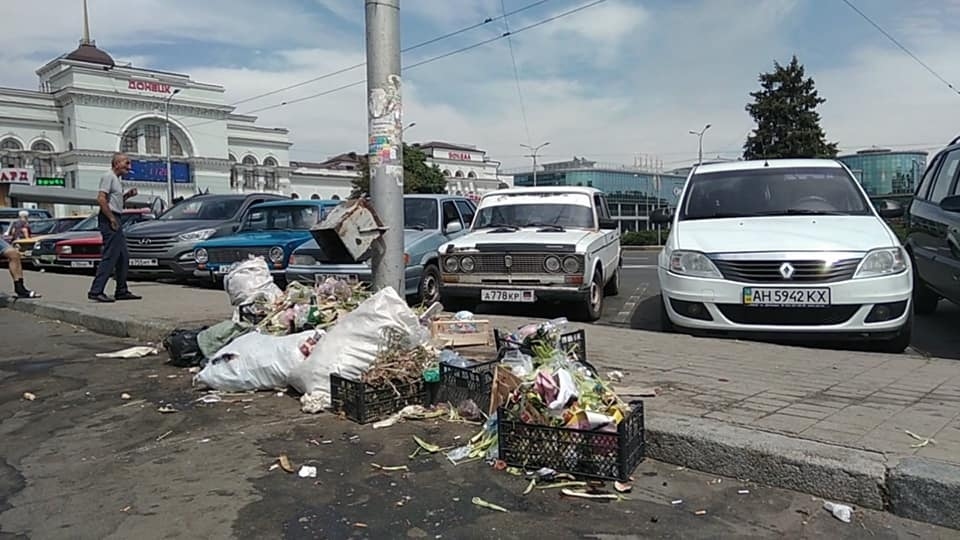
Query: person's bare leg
(13,260)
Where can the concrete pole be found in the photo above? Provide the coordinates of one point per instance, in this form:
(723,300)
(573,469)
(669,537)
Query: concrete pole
(385,119)
(166,113)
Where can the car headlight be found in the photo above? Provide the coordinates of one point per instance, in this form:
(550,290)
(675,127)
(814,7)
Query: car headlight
(571,265)
(201,256)
(276,254)
(468,264)
(66,250)
(551,264)
(302,260)
(197,236)
(450,264)
(882,262)
(693,263)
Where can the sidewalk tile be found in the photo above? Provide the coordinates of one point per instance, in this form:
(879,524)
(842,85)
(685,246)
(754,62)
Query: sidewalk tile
(828,435)
(785,423)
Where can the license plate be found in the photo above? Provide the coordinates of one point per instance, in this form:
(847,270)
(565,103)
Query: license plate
(500,295)
(143,262)
(786,297)
(81,264)
(48,258)
(221,270)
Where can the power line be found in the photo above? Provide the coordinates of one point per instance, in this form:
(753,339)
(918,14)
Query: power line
(429,60)
(408,49)
(902,47)
(516,72)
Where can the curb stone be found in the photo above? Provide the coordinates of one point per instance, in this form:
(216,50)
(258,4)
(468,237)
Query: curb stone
(915,488)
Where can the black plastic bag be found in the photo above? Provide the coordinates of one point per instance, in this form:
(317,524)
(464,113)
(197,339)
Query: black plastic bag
(183,348)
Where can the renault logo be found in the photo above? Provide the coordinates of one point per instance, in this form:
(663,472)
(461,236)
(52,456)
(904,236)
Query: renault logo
(787,270)
(143,241)
(508,261)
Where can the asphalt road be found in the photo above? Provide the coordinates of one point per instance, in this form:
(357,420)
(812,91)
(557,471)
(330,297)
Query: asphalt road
(82,460)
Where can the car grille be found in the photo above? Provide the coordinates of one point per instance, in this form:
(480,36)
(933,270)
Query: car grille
(46,246)
(805,271)
(85,250)
(788,316)
(522,263)
(232,255)
(149,246)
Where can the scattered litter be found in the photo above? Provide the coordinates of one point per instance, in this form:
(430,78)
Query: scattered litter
(164,436)
(314,402)
(563,485)
(280,394)
(132,352)
(715,481)
(390,469)
(622,487)
(307,471)
(839,511)
(194,370)
(676,502)
(210,398)
(314,442)
(587,495)
(615,376)
(533,482)
(490,506)
(125,396)
(152,376)
(360,525)
(743,491)
(166,409)
(172,376)
(923,440)
(700,513)
(29,396)
(126,509)
(273,467)
(285,463)
(328,441)
(432,448)
(369,453)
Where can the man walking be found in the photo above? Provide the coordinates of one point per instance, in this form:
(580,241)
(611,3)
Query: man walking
(115,256)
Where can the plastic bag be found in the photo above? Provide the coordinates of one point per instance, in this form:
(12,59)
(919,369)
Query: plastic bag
(351,346)
(256,362)
(250,281)
(183,347)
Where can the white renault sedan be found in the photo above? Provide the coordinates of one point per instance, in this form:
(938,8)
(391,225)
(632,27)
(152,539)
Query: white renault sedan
(781,249)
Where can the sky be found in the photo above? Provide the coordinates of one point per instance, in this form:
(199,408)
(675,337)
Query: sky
(618,82)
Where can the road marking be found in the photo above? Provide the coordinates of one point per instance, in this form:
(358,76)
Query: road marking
(631,304)
(638,266)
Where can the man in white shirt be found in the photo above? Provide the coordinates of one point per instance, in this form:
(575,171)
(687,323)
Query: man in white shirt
(111,198)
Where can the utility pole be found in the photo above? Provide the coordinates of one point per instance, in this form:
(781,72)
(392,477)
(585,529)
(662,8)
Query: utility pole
(699,135)
(533,154)
(166,114)
(385,127)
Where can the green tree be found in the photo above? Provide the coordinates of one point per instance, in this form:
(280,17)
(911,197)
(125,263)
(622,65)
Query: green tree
(418,177)
(785,110)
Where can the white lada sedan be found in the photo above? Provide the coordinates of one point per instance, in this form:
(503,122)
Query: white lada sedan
(781,249)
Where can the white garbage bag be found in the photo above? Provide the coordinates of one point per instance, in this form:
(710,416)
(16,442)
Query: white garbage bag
(257,361)
(350,347)
(249,281)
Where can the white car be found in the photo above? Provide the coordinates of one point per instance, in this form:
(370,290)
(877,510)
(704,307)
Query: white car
(532,244)
(784,248)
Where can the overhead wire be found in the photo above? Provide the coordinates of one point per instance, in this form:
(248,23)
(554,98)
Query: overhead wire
(516,72)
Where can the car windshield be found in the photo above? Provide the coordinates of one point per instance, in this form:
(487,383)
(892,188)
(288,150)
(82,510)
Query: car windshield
(773,192)
(206,208)
(567,216)
(276,218)
(42,226)
(420,214)
(88,224)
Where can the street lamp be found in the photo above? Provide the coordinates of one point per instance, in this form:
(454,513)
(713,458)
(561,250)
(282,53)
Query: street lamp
(699,135)
(533,154)
(166,113)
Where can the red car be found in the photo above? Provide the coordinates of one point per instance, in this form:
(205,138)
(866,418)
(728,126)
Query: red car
(81,246)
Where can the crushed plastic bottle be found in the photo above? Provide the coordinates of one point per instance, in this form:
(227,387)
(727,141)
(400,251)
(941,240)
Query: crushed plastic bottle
(455,359)
(840,511)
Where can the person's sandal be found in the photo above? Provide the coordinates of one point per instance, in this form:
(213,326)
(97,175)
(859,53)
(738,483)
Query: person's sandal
(26,293)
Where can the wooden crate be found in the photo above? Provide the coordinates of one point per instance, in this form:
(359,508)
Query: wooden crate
(453,333)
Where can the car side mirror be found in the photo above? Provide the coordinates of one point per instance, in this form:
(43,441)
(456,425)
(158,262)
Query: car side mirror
(608,224)
(661,216)
(235,227)
(453,227)
(951,203)
(889,209)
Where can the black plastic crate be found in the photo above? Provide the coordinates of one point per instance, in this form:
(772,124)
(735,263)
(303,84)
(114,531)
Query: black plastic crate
(364,403)
(575,341)
(458,384)
(591,454)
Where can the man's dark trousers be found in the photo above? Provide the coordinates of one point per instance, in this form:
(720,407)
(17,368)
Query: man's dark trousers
(115,258)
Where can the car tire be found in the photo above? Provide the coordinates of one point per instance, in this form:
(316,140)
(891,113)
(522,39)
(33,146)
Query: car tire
(592,307)
(666,325)
(924,300)
(901,341)
(613,286)
(428,291)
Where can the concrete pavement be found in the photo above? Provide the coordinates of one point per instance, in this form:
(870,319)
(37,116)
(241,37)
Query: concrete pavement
(830,423)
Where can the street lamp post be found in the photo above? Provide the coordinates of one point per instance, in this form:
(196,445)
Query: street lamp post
(533,154)
(166,113)
(699,135)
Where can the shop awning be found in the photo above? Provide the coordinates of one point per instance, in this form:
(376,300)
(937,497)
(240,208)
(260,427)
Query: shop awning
(20,193)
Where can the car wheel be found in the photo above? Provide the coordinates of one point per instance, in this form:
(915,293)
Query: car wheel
(901,341)
(924,300)
(613,286)
(429,290)
(592,307)
(666,325)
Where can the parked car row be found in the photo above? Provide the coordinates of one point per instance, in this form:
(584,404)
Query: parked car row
(72,242)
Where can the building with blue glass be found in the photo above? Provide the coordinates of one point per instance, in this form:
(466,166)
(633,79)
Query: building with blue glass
(632,192)
(883,172)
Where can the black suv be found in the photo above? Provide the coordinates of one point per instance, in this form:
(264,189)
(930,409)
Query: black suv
(934,232)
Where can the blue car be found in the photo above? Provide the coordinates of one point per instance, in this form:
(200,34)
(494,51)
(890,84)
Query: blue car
(270,229)
(429,221)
